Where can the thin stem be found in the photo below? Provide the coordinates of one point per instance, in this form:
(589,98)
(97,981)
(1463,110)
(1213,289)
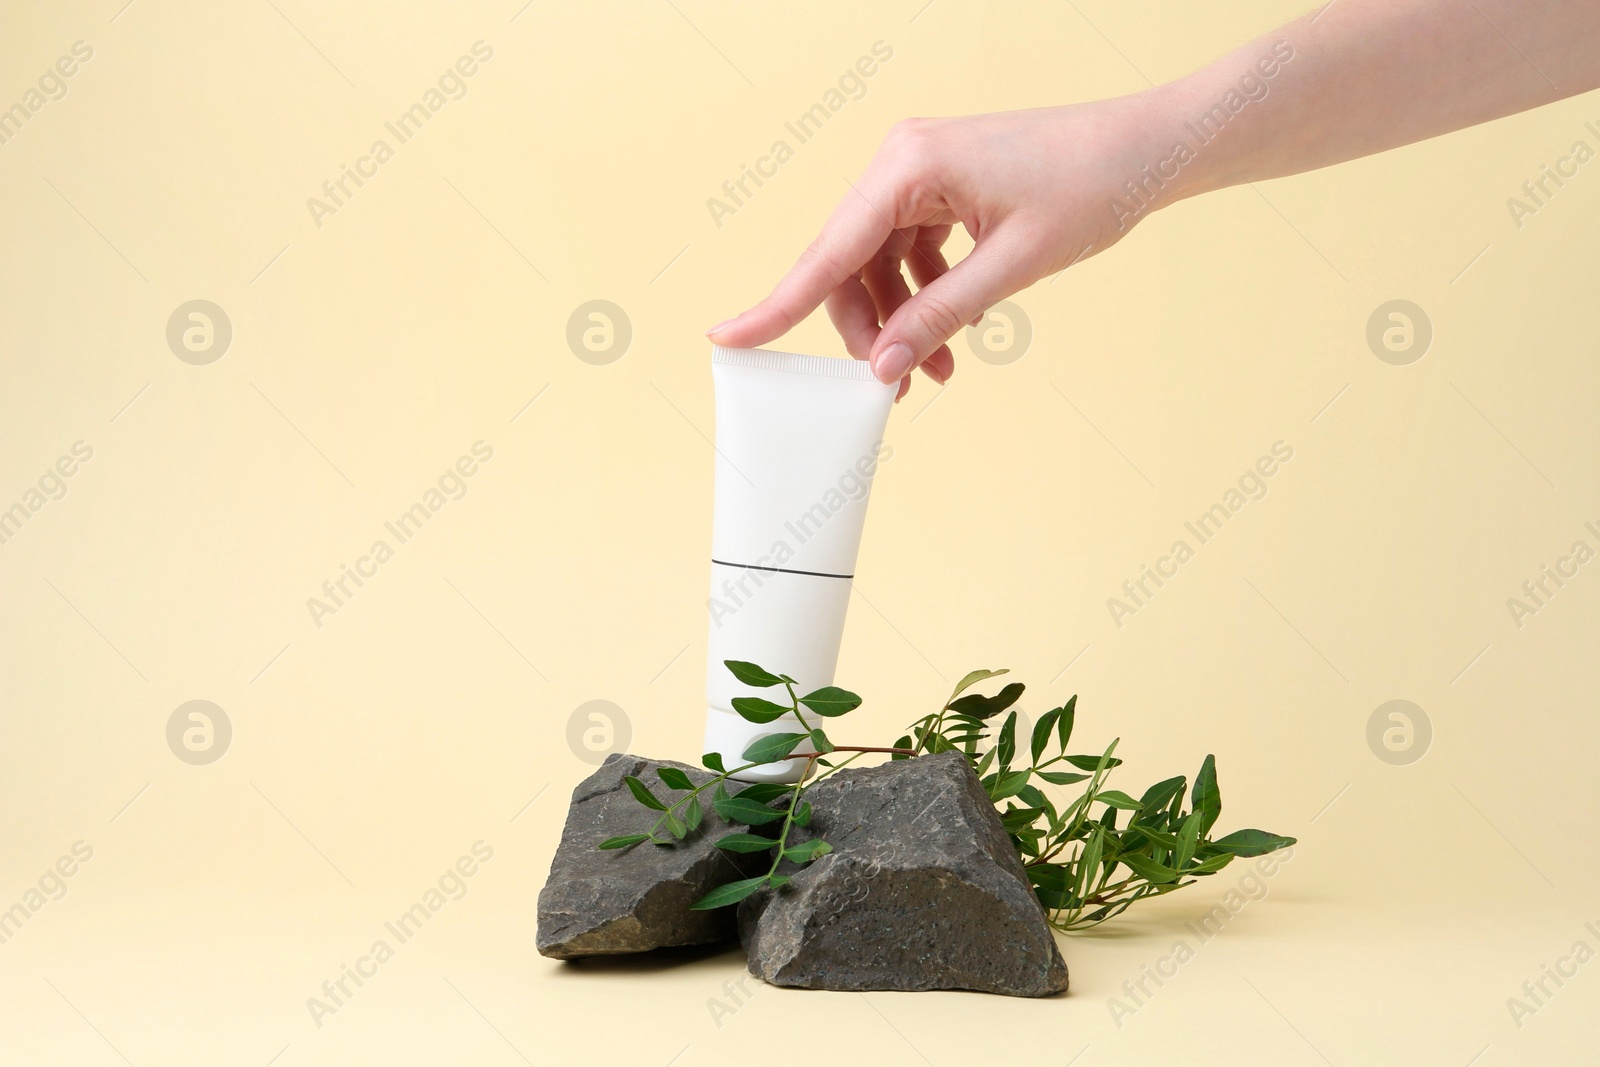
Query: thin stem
(840,748)
(794,703)
(859,752)
(936,728)
(788,818)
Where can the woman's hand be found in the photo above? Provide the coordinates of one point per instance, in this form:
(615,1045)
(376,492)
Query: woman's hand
(1033,188)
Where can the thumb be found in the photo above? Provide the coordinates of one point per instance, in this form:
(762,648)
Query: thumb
(990,273)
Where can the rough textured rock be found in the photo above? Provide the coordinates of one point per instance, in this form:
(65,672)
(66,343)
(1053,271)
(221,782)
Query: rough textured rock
(922,891)
(632,900)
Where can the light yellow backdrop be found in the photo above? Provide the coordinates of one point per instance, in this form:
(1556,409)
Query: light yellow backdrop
(376,341)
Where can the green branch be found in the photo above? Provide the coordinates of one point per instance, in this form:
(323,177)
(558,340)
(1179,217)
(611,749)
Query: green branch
(1070,851)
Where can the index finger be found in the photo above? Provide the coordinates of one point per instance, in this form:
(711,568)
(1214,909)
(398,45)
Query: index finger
(852,235)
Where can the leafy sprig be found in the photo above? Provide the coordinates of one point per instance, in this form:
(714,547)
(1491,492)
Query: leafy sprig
(1083,867)
(753,805)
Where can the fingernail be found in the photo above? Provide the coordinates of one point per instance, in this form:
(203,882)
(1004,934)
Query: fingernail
(894,362)
(718,326)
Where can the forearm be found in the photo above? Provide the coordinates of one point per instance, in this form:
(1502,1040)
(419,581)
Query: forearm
(1363,76)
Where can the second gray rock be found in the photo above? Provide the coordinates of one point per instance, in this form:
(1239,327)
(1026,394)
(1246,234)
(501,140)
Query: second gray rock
(922,890)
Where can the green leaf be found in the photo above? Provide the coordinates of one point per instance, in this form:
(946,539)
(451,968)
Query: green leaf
(759,710)
(1007,696)
(802,814)
(1089,864)
(904,742)
(1069,711)
(1019,818)
(1155,798)
(1048,874)
(675,825)
(1188,837)
(1063,777)
(624,841)
(1009,785)
(712,761)
(1050,886)
(750,674)
(777,881)
(1117,799)
(674,778)
(972,678)
(731,893)
(1006,746)
(642,794)
(748,812)
(1206,798)
(983,707)
(1092,763)
(764,792)
(1212,865)
(745,843)
(1252,842)
(973,705)
(807,851)
(1034,797)
(820,742)
(773,747)
(1147,868)
(693,814)
(1041,732)
(1150,834)
(830,700)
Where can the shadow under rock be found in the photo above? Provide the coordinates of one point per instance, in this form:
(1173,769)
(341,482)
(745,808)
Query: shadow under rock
(661,959)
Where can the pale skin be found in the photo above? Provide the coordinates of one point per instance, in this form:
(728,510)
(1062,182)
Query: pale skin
(1037,189)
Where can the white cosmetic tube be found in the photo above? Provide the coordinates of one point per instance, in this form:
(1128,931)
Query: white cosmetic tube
(798,441)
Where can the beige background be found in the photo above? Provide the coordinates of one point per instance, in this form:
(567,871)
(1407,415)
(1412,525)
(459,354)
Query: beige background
(369,353)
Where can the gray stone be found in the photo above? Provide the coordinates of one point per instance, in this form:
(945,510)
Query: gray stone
(922,890)
(636,899)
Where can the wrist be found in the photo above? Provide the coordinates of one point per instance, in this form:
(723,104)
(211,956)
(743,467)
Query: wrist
(1149,158)
(1223,120)
(1180,160)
